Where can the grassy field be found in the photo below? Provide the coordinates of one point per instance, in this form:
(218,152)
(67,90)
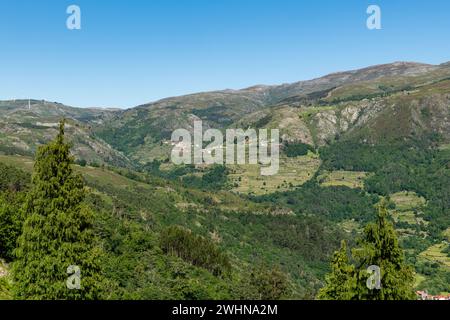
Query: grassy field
(351,179)
(446,233)
(404,216)
(294,171)
(91,174)
(350,225)
(407,207)
(407,200)
(419,278)
(435,254)
(95,175)
(20,162)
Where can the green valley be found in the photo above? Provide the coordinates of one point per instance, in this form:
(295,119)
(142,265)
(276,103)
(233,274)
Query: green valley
(349,141)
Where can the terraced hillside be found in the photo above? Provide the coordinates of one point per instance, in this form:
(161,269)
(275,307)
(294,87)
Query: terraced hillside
(135,210)
(372,104)
(396,100)
(348,140)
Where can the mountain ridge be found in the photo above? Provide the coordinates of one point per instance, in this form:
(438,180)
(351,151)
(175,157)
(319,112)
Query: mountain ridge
(314,112)
(257,87)
(306,111)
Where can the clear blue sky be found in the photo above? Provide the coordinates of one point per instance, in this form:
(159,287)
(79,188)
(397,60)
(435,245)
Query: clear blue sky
(135,51)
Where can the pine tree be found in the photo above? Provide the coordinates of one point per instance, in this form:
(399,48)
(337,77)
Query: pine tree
(57,231)
(340,284)
(378,247)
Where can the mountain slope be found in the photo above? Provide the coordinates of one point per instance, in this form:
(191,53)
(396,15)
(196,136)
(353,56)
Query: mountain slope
(394,101)
(378,132)
(26,124)
(314,112)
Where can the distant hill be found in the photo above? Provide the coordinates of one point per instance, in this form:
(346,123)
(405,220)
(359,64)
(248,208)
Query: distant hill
(26,124)
(390,101)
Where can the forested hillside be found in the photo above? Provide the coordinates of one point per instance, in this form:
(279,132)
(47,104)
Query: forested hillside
(349,141)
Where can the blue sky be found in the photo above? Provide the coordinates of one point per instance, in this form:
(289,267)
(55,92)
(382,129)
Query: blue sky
(135,51)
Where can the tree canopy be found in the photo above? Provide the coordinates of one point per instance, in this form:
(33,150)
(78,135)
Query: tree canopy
(57,235)
(377,247)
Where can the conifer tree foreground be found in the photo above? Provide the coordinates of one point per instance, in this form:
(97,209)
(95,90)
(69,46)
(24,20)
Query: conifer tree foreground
(341,282)
(378,247)
(57,232)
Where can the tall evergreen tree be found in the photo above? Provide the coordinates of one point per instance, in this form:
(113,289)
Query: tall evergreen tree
(378,247)
(57,232)
(340,284)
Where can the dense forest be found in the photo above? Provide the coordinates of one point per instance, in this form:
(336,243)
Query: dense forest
(139,245)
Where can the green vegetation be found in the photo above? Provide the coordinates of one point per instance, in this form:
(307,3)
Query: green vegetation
(11,221)
(12,179)
(12,195)
(195,249)
(293,172)
(437,253)
(351,179)
(269,284)
(144,257)
(211,178)
(333,203)
(406,200)
(5,289)
(226,232)
(377,247)
(420,214)
(297,149)
(57,231)
(300,226)
(5,282)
